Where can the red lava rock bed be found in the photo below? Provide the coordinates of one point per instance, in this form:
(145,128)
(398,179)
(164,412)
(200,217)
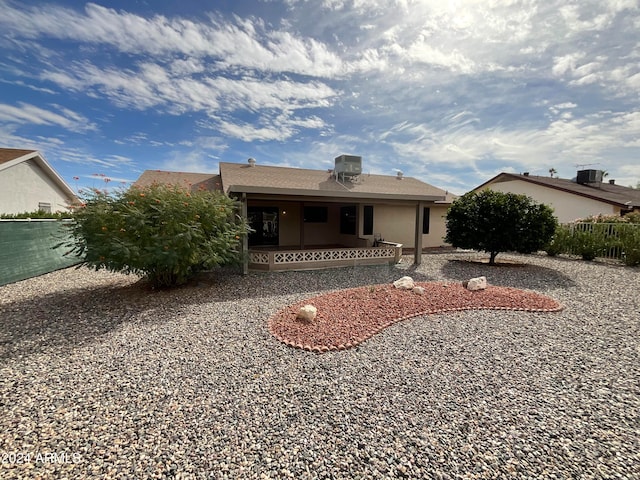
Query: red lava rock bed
(348,317)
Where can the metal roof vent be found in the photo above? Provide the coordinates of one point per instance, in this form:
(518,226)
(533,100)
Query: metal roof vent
(252,162)
(399,175)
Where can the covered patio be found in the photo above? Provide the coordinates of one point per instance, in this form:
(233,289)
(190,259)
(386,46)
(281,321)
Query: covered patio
(309,219)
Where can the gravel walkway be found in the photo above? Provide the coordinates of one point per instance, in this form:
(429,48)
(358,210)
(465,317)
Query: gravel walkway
(101,377)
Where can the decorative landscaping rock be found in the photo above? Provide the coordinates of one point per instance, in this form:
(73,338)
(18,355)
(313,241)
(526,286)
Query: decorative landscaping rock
(478,283)
(418,290)
(404,283)
(307,313)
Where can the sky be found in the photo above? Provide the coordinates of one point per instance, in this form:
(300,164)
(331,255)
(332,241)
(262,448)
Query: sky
(449,92)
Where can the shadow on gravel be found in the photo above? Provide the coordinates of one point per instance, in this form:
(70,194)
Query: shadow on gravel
(66,319)
(263,284)
(505,275)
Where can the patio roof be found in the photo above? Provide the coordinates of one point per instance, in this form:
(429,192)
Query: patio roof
(261,179)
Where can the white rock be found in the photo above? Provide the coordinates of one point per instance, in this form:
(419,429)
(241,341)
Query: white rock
(307,313)
(404,283)
(418,290)
(478,283)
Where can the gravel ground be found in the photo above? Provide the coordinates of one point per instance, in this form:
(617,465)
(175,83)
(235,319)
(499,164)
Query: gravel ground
(102,377)
(345,318)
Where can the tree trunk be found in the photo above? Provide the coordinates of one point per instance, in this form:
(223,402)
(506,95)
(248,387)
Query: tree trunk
(492,258)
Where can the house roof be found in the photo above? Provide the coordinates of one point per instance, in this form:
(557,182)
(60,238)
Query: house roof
(192,181)
(261,179)
(623,197)
(10,157)
(8,154)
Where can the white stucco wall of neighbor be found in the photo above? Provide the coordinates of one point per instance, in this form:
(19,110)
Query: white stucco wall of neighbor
(23,187)
(567,207)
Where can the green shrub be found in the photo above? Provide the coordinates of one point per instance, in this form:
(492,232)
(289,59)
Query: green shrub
(37,214)
(560,243)
(630,244)
(497,222)
(587,241)
(632,217)
(163,233)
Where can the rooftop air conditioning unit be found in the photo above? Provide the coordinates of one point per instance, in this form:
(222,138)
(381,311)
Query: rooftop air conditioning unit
(348,166)
(589,176)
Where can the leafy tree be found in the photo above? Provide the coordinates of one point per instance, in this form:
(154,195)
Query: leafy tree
(164,233)
(497,222)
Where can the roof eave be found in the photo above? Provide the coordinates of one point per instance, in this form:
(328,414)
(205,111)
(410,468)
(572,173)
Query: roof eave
(334,194)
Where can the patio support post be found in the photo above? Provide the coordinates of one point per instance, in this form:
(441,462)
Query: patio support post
(417,253)
(301,225)
(245,238)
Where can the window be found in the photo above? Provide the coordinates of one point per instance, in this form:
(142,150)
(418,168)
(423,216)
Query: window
(348,220)
(316,214)
(367,228)
(425,220)
(44,207)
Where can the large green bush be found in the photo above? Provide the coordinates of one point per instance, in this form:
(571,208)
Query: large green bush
(164,233)
(497,222)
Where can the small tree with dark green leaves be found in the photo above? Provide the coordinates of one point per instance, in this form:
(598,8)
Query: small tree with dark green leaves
(496,222)
(164,233)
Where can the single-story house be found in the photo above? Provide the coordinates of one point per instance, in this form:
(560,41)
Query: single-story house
(28,183)
(571,199)
(306,218)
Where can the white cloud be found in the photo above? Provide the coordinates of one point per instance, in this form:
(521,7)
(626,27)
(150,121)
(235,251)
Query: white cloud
(25,113)
(189,161)
(242,42)
(592,138)
(152,85)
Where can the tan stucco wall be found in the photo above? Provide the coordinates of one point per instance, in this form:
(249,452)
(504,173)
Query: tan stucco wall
(24,185)
(324,233)
(567,207)
(397,224)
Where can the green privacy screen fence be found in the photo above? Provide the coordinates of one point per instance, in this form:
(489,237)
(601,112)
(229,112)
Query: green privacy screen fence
(26,249)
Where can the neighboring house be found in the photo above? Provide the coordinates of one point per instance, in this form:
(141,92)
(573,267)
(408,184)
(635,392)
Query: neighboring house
(293,210)
(581,197)
(28,183)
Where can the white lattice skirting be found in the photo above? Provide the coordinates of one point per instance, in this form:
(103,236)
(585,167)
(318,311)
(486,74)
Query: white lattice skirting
(259,257)
(315,256)
(330,255)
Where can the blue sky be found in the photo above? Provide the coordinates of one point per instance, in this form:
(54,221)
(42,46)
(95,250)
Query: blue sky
(450,92)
